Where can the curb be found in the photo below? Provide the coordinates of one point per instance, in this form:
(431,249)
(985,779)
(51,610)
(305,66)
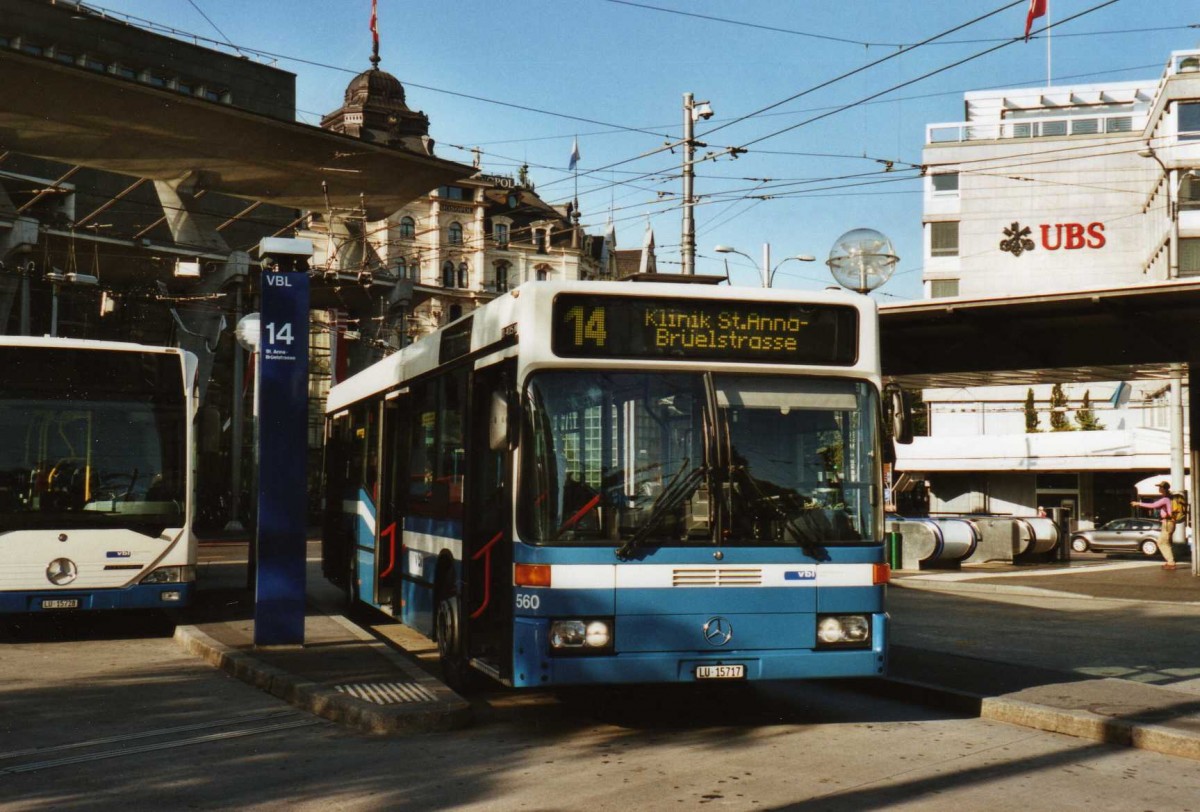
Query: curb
(1025,591)
(1093,726)
(450,712)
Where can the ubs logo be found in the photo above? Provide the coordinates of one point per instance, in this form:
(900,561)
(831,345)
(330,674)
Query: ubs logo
(1056,236)
(61,571)
(1018,241)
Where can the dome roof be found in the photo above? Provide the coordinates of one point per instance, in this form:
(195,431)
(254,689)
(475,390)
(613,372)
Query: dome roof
(375,88)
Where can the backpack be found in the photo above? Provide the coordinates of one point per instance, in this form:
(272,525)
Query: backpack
(1179,509)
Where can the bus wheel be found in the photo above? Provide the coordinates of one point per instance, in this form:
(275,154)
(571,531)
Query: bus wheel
(455,670)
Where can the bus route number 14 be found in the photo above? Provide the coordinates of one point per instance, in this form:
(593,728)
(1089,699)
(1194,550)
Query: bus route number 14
(589,325)
(283,335)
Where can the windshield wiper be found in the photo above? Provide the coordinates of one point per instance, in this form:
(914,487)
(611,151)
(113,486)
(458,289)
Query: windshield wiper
(679,488)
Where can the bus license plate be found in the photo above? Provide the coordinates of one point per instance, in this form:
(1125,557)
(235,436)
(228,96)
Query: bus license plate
(720,672)
(60,603)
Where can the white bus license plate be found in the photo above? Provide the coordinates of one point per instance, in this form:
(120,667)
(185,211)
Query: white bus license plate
(720,672)
(60,603)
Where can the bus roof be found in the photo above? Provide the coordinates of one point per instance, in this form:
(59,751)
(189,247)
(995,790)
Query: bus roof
(525,312)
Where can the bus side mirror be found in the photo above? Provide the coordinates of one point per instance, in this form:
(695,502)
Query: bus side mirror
(498,423)
(899,413)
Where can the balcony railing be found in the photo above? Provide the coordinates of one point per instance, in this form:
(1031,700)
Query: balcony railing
(1056,127)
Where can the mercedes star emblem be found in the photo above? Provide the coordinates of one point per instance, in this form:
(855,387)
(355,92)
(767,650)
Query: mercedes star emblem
(718,631)
(61,571)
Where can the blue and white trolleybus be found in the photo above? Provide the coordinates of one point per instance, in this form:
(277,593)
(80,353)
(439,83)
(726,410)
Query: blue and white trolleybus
(622,482)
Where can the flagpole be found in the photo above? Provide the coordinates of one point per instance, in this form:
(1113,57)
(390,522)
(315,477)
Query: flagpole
(1048,74)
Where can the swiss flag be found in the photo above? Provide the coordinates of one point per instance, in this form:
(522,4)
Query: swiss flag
(375,20)
(1037,8)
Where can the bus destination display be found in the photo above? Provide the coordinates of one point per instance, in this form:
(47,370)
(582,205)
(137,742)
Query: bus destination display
(588,326)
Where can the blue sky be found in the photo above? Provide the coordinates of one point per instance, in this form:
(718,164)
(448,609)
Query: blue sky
(613,72)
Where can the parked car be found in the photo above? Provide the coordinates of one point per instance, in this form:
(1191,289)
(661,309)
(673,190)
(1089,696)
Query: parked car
(1132,535)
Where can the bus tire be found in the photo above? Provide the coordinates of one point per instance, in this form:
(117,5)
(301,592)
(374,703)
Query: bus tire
(456,671)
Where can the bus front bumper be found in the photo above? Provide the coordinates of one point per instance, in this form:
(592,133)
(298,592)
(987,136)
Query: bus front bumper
(533,667)
(141,596)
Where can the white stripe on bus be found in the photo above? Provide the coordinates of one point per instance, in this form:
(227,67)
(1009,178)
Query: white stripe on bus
(428,543)
(665,576)
(359,508)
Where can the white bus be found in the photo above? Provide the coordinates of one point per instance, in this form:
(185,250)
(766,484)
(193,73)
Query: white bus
(603,482)
(95,475)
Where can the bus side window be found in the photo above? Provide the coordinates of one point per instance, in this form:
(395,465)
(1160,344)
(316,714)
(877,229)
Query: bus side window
(422,448)
(451,445)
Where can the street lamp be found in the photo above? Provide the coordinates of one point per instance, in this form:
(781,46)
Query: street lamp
(765,270)
(862,259)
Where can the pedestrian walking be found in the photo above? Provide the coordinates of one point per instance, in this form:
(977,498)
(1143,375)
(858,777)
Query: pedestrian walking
(1163,506)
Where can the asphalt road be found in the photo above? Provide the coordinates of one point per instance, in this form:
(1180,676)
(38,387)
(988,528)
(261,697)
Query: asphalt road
(109,713)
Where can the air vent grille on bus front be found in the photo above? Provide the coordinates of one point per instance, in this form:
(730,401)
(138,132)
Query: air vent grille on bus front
(717,576)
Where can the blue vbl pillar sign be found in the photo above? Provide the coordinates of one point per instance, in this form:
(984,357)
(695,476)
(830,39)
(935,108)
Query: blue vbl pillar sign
(282,459)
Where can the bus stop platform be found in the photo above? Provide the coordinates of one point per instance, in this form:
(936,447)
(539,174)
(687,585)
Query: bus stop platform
(1100,649)
(340,672)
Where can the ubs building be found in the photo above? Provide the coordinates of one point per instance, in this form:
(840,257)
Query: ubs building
(1050,190)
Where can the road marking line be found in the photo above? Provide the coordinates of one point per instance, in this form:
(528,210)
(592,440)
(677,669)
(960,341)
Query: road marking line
(166,731)
(149,748)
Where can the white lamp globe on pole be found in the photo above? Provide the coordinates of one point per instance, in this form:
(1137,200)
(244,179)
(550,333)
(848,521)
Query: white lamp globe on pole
(862,259)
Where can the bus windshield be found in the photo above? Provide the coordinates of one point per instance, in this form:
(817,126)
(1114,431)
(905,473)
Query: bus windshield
(99,453)
(658,459)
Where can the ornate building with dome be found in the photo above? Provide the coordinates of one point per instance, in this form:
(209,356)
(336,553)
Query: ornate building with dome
(443,254)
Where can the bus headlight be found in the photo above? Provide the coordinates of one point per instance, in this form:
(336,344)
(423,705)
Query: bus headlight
(170,575)
(580,636)
(844,631)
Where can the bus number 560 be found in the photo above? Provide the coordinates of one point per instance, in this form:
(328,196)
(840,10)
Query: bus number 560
(528,601)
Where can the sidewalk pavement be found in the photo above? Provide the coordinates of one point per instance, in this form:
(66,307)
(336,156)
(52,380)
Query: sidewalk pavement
(344,673)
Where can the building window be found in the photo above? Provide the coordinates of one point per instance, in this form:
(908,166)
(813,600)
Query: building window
(1189,121)
(502,277)
(943,240)
(1189,192)
(500,232)
(543,273)
(1189,256)
(1119,124)
(454,234)
(539,240)
(408,228)
(455,312)
(447,274)
(943,288)
(945,182)
(1155,410)
(463,274)
(1085,126)
(456,193)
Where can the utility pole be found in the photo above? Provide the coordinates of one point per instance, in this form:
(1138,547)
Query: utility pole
(688,243)
(692,110)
